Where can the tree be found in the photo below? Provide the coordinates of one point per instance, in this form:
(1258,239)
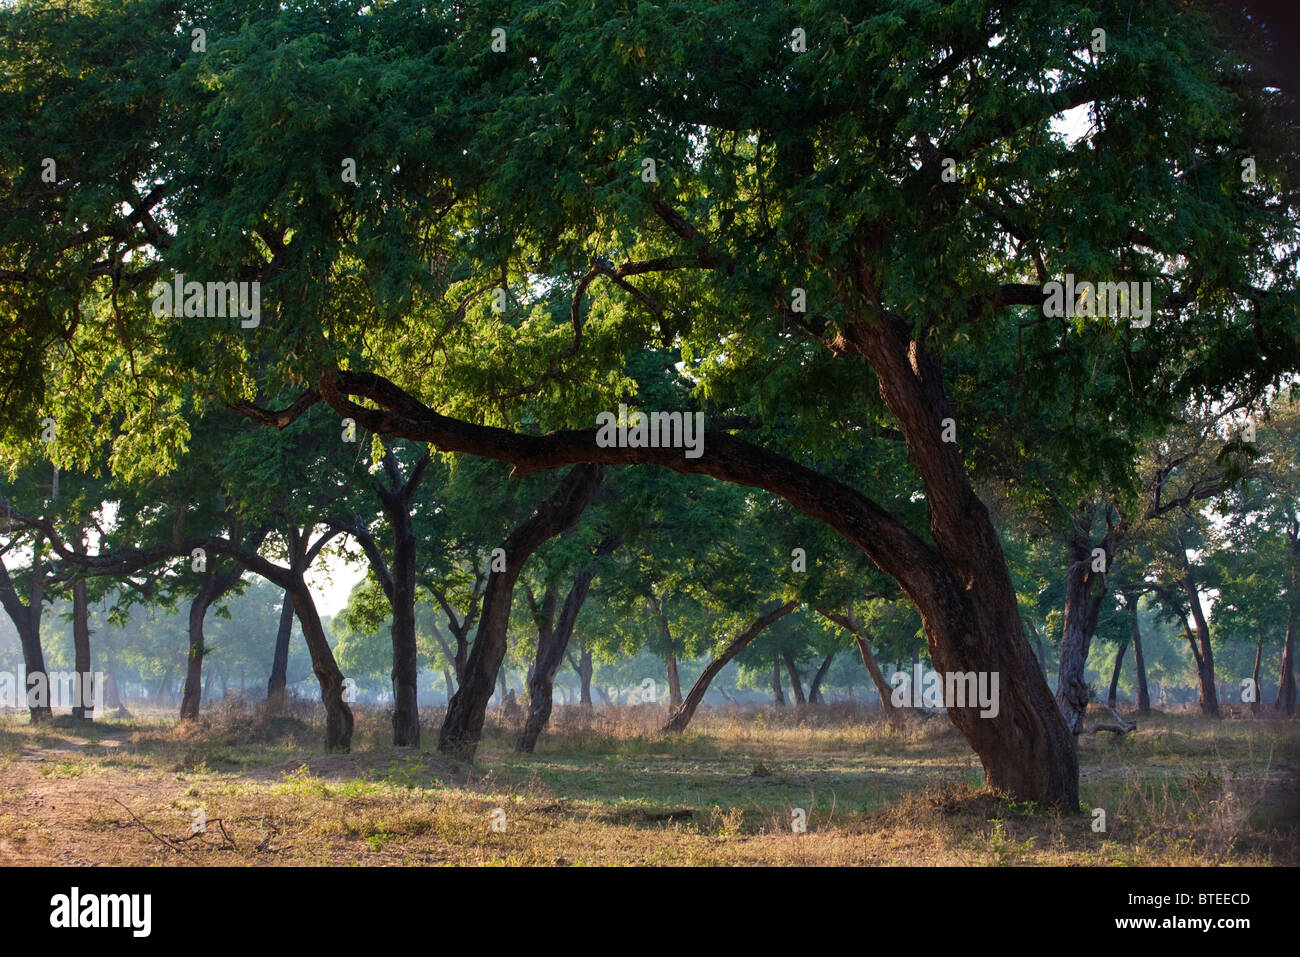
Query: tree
(777,179)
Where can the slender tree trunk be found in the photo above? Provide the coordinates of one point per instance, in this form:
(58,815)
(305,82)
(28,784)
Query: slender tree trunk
(190,699)
(158,698)
(338,716)
(682,716)
(1286,691)
(214,585)
(796,684)
(1114,674)
(778,696)
(463,724)
(584,668)
(1209,697)
(815,690)
(551,649)
(849,622)
(84,694)
(275,685)
(1084,591)
(406,705)
(27,621)
(449,681)
(674,680)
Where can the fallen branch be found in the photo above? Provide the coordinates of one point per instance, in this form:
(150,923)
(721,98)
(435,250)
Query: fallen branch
(158,837)
(1121,727)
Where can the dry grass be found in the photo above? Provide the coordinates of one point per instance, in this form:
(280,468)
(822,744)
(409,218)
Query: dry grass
(606,788)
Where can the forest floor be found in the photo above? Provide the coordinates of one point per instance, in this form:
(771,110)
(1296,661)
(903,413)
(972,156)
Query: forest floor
(605,788)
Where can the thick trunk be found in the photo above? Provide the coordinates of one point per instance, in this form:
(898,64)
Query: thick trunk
(338,716)
(795,683)
(551,648)
(815,689)
(778,696)
(464,721)
(1114,674)
(275,685)
(682,716)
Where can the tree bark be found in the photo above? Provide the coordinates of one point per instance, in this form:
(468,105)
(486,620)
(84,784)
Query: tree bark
(26,617)
(214,585)
(670,653)
(1084,591)
(849,622)
(1114,674)
(778,696)
(463,725)
(682,716)
(551,649)
(1286,690)
(1209,696)
(338,716)
(584,668)
(796,684)
(83,707)
(275,685)
(815,689)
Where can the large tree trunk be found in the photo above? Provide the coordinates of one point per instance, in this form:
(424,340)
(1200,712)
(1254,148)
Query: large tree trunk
(965,593)
(815,689)
(682,716)
(778,696)
(463,725)
(795,683)
(1114,674)
(275,685)
(551,648)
